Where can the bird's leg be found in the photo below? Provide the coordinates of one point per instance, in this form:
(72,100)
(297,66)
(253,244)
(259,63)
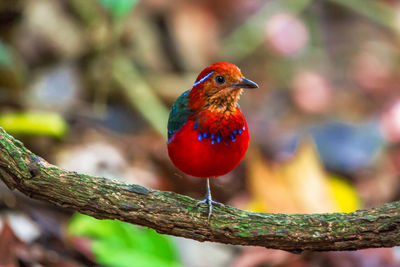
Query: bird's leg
(207,199)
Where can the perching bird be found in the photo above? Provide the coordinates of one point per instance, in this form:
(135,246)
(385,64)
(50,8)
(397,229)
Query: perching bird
(207,132)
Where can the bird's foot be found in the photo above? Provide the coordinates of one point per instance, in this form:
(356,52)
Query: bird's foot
(207,200)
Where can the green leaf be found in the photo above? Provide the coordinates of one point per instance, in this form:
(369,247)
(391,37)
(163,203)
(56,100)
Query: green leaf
(5,55)
(120,244)
(34,123)
(118,8)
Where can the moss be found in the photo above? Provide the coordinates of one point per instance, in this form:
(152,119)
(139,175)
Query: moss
(243,232)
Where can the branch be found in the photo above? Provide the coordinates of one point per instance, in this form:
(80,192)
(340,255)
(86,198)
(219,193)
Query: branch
(174,214)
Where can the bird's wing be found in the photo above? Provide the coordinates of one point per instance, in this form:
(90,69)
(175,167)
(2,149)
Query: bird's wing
(179,114)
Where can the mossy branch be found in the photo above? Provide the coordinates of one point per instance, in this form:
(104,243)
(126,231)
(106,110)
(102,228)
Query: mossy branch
(174,214)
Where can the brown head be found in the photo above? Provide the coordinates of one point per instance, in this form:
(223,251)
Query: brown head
(218,88)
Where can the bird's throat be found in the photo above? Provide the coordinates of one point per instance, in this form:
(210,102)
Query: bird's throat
(223,102)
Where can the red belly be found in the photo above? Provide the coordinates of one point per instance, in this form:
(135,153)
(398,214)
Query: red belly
(201,158)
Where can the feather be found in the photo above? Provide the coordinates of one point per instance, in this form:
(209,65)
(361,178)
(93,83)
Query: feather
(179,114)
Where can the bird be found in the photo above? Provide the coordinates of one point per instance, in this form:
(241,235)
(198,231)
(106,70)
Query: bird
(207,132)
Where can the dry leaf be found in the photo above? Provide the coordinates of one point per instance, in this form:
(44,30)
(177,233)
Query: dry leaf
(299,185)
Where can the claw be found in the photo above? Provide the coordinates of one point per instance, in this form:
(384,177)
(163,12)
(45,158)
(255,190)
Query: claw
(207,200)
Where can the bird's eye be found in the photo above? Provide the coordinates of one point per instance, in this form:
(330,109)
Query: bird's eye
(220,79)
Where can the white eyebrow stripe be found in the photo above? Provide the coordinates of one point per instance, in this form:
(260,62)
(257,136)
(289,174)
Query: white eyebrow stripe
(202,79)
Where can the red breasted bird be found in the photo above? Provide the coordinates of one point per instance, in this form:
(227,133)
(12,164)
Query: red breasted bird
(207,132)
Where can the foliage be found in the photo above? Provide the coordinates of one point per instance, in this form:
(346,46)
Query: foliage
(34,123)
(120,244)
(118,8)
(299,184)
(5,55)
(344,194)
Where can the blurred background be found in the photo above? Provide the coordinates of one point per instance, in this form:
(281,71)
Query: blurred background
(87,85)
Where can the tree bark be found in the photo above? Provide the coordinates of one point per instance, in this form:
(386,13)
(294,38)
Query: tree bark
(174,214)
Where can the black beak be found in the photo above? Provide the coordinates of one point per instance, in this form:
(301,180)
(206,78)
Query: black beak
(246,84)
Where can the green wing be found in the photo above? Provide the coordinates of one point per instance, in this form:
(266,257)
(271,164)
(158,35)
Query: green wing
(179,114)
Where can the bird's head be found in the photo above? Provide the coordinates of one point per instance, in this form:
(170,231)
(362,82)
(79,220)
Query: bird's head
(218,88)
